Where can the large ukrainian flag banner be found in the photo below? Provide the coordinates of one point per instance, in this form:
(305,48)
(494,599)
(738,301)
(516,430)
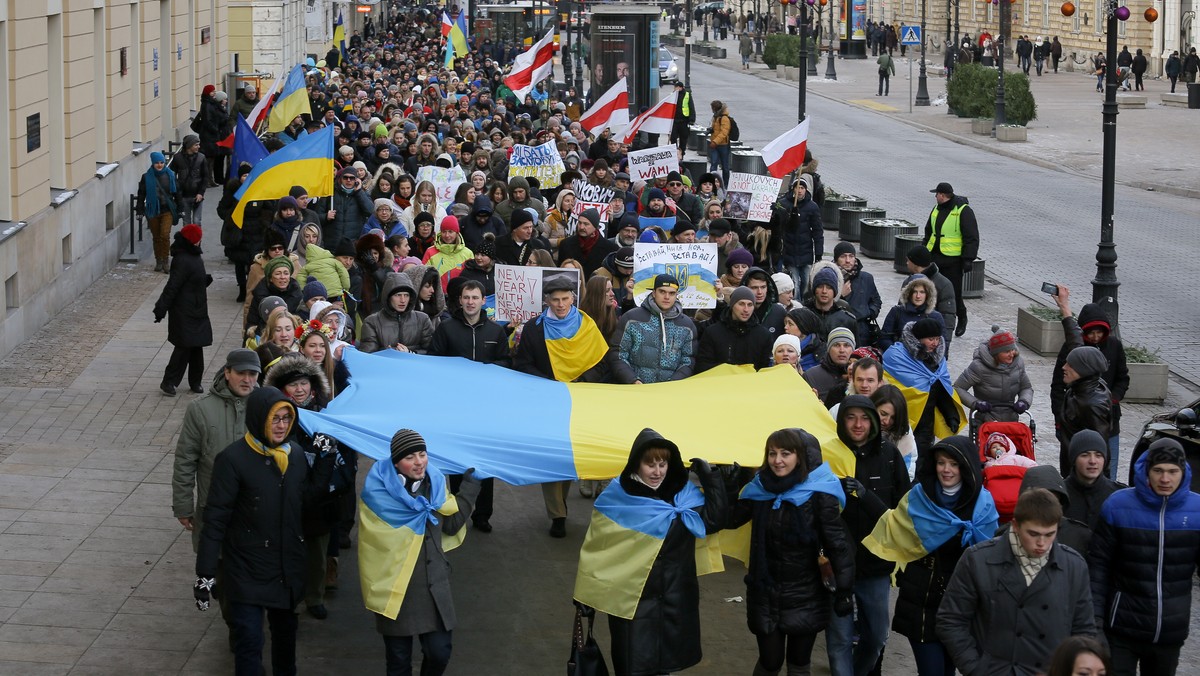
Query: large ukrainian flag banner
(392,526)
(524,430)
(308,160)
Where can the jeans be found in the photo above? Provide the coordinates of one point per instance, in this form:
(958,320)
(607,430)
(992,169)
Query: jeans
(884,84)
(799,275)
(190,210)
(932,659)
(246,620)
(435,653)
(1114,454)
(1039,63)
(845,658)
(719,155)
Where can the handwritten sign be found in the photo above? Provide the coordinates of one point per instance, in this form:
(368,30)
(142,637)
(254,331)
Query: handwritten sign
(445,181)
(590,196)
(751,196)
(542,162)
(651,163)
(694,265)
(519,290)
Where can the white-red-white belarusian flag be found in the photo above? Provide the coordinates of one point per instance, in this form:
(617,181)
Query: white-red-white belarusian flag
(259,113)
(786,153)
(532,66)
(657,120)
(611,111)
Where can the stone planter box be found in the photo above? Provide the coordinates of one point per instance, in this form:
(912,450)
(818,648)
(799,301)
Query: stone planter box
(901,246)
(1012,134)
(1147,383)
(717,52)
(699,50)
(1043,337)
(981,126)
(878,236)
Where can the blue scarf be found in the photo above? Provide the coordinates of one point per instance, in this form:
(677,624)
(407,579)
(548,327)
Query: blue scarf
(153,206)
(564,328)
(936,524)
(820,480)
(389,499)
(651,515)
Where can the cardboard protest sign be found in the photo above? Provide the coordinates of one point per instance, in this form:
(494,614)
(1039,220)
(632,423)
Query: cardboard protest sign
(519,290)
(589,196)
(542,162)
(651,163)
(751,196)
(694,265)
(446,181)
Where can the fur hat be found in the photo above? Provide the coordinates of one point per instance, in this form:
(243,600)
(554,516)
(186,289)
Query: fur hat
(926,328)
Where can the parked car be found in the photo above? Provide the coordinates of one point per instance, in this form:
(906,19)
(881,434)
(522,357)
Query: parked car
(668,68)
(1179,425)
(709,7)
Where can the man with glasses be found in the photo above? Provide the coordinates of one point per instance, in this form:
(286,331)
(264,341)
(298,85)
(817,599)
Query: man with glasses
(253,532)
(685,201)
(349,209)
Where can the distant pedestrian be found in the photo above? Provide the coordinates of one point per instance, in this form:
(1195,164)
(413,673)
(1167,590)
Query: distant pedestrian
(158,200)
(1173,68)
(887,68)
(1191,64)
(718,141)
(746,49)
(1055,53)
(191,177)
(184,301)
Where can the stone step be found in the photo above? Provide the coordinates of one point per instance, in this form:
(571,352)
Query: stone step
(1177,100)
(1131,101)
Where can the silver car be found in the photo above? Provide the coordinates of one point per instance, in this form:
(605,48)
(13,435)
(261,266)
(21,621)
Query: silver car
(668,69)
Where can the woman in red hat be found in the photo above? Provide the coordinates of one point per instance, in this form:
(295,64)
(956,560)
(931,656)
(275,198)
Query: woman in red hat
(184,301)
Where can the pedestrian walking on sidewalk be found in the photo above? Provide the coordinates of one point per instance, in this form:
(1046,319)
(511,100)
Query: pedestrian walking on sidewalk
(1173,68)
(746,49)
(1055,53)
(184,301)
(718,141)
(158,200)
(1191,65)
(1139,66)
(887,68)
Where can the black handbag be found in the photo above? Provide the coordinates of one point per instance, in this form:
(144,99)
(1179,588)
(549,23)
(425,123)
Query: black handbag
(586,658)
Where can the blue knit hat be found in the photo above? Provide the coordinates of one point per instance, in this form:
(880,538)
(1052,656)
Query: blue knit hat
(826,276)
(156,157)
(314,289)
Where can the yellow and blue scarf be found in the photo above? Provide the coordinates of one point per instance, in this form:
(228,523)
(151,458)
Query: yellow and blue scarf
(392,526)
(736,542)
(918,526)
(574,343)
(623,541)
(915,380)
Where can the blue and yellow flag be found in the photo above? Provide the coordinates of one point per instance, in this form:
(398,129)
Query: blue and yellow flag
(736,542)
(915,380)
(292,101)
(918,526)
(310,157)
(574,343)
(623,541)
(391,528)
(578,432)
(339,35)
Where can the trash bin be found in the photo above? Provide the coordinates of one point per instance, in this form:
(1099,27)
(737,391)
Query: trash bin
(878,236)
(830,219)
(850,220)
(972,282)
(748,162)
(695,168)
(902,245)
(1193,95)
(698,139)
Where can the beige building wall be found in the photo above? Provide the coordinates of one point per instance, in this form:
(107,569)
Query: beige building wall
(268,35)
(87,69)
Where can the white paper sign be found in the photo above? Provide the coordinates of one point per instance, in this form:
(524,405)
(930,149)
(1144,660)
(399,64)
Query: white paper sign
(751,196)
(446,181)
(693,265)
(542,162)
(651,163)
(519,290)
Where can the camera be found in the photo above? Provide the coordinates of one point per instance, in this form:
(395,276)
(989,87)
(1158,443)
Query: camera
(1049,288)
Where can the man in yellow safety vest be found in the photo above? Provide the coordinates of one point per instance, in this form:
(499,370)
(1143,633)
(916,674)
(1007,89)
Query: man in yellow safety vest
(952,236)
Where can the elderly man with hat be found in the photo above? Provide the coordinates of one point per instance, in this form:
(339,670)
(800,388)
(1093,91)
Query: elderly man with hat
(657,340)
(191,177)
(1142,559)
(952,237)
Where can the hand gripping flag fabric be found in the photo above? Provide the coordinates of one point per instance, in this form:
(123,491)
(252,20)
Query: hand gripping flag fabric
(610,111)
(528,430)
(786,153)
(623,541)
(532,66)
(392,525)
(293,101)
(310,158)
(918,526)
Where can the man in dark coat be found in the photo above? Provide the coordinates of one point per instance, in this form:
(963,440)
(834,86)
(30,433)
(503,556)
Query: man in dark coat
(880,480)
(735,337)
(481,221)
(952,236)
(1014,598)
(796,219)
(214,126)
(349,209)
(825,299)
(1086,484)
(863,295)
(767,309)
(252,525)
(587,245)
(184,301)
(191,177)
(1142,559)
(515,247)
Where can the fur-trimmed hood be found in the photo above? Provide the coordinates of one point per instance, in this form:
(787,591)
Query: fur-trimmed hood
(826,265)
(913,282)
(293,365)
(416,274)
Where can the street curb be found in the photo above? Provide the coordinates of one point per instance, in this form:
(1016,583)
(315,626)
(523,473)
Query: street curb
(963,140)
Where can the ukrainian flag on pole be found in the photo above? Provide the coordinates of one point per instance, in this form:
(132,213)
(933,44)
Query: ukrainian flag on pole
(272,178)
(292,101)
(339,34)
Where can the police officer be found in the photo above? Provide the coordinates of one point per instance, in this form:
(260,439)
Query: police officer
(952,236)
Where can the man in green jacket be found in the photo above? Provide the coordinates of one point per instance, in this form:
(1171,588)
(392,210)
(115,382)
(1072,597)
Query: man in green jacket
(212,422)
(887,68)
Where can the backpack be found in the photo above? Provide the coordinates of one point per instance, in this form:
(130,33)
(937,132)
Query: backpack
(734,133)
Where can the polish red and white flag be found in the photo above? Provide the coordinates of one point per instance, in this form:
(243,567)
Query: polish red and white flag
(532,66)
(786,153)
(657,120)
(611,111)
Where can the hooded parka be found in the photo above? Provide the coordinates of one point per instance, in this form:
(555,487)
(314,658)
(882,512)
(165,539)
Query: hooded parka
(386,328)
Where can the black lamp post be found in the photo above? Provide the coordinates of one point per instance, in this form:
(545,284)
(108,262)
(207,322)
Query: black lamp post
(579,54)
(1001,43)
(922,98)
(566,59)
(803,65)
(687,46)
(830,70)
(814,47)
(758,29)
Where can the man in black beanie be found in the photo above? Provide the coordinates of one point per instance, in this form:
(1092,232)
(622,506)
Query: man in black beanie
(1087,485)
(952,236)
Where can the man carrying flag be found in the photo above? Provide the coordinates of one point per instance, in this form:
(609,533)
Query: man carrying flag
(532,66)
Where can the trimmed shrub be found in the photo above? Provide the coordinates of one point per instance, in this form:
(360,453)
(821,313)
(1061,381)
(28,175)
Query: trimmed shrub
(971,92)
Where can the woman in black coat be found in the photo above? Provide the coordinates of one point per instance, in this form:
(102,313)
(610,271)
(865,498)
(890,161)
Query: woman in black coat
(663,634)
(793,505)
(184,301)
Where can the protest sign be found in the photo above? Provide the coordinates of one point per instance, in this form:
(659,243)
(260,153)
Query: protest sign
(542,162)
(519,290)
(751,196)
(667,223)
(446,181)
(590,196)
(694,265)
(651,163)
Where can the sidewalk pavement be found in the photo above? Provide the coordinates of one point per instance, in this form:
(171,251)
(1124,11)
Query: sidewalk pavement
(1157,147)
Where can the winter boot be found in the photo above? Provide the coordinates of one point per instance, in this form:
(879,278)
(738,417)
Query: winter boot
(158,265)
(331,573)
(797,670)
(166,268)
(759,670)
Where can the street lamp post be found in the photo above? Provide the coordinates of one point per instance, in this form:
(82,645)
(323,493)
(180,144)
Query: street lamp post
(922,98)
(803,65)
(566,59)
(814,47)
(758,29)
(579,55)
(687,46)
(830,70)
(1001,43)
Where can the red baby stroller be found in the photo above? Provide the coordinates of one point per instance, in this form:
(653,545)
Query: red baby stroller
(1004,481)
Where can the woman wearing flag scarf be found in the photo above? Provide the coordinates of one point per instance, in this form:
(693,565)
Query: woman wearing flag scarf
(946,511)
(158,200)
(793,505)
(407,521)
(643,551)
(917,365)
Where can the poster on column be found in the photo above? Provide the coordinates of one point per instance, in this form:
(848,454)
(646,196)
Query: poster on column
(590,196)
(751,196)
(541,162)
(694,265)
(445,181)
(651,163)
(519,290)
